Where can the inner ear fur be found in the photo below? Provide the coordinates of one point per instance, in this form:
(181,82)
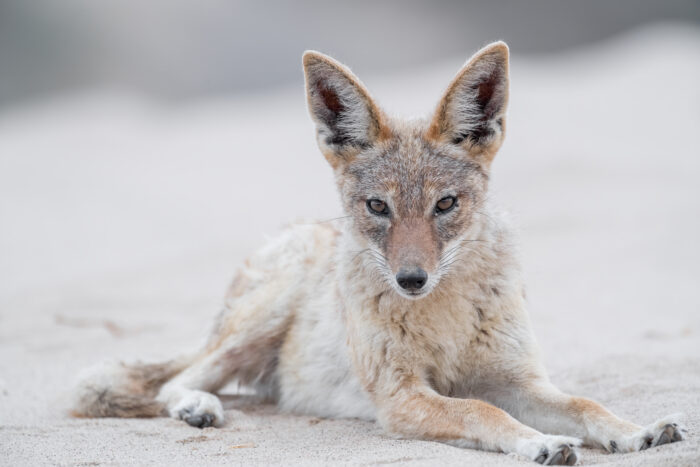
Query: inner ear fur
(471,113)
(347,119)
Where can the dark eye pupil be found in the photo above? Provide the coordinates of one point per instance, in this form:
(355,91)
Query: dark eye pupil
(445,204)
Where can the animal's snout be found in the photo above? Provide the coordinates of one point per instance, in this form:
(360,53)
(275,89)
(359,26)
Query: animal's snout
(412,280)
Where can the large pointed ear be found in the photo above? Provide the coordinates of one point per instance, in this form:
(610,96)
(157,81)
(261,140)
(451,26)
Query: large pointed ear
(472,111)
(346,118)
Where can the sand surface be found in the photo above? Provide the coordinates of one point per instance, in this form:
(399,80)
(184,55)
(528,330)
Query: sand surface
(123,219)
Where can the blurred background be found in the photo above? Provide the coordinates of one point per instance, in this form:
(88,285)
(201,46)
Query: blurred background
(147,147)
(179,51)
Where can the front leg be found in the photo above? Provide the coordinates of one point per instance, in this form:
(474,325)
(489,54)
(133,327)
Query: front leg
(417,411)
(543,406)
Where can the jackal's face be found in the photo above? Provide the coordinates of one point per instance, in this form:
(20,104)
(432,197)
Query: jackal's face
(413,189)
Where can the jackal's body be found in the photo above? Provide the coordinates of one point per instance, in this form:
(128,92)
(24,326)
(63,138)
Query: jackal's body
(312,374)
(410,311)
(460,340)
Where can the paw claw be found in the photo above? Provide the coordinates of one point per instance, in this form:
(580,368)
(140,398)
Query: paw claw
(207,420)
(194,420)
(199,409)
(553,450)
(544,453)
(556,459)
(661,432)
(200,421)
(550,449)
(669,435)
(647,443)
(564,455)
(663,439)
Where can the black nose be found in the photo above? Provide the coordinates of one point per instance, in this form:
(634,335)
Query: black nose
(412,279)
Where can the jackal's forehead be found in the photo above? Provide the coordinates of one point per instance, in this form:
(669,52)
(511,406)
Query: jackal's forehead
(412,175)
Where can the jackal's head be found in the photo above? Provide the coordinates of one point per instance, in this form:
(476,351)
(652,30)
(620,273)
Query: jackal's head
(412,189)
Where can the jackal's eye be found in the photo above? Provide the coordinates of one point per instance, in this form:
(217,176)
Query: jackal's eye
(446,204)
(377,207)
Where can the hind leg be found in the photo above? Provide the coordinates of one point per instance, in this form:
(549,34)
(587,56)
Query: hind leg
(247,355)
(249,332)
(244,346)
(189,396)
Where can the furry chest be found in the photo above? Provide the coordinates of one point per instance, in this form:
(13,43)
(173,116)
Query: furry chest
(451,343)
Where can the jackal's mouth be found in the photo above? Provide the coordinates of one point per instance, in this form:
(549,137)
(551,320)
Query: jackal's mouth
(416,295)
(413,294)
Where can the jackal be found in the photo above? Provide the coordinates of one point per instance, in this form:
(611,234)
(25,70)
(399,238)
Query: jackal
(410,311)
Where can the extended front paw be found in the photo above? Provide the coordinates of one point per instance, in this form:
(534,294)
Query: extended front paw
(199,409)
(551,450)
(664,431)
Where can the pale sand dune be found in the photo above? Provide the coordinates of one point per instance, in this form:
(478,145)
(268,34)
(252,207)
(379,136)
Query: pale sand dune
(122,221)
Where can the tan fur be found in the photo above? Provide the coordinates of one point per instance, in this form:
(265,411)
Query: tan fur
(129,393)
(440,122)
(412,242)
(379,129)
(319,320)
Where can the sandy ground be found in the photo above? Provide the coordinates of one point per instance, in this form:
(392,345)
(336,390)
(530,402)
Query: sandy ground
(122,221)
